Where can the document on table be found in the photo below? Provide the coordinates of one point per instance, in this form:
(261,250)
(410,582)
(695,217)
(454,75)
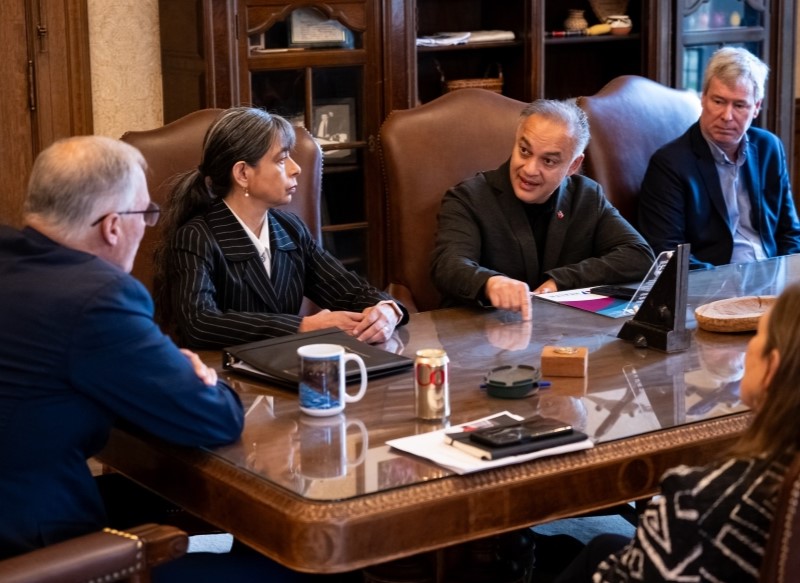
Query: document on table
(435,447)
(585,300)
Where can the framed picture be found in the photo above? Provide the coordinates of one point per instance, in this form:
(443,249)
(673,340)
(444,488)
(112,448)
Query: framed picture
(308,27)
(334,124)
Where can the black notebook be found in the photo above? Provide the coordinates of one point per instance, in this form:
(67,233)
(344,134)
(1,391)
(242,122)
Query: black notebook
(554,433)
(275,359)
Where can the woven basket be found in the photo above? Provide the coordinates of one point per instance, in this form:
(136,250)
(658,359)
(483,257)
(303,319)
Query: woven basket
(605,8)
(494,84)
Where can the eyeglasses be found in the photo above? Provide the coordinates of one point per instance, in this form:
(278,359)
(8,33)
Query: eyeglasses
(150,215)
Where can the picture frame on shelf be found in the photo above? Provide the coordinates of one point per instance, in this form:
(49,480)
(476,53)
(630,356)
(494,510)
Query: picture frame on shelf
(334,123)
(309,28)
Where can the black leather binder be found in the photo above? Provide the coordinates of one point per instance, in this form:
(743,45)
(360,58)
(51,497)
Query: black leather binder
(275,360)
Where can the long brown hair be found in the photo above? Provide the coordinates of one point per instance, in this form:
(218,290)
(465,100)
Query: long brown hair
(774,428)
(239,134)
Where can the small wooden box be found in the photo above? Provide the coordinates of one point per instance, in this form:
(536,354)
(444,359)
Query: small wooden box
(564,361)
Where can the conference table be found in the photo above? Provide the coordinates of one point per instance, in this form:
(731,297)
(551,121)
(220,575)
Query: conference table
(330,496)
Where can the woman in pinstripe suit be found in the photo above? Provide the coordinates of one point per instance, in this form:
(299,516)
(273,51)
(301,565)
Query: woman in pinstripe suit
(233,268)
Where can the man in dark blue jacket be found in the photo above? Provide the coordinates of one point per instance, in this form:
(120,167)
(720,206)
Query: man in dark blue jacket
(723,186)
(80,350)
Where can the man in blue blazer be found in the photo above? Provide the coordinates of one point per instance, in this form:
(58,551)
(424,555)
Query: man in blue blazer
(723,186)
(80,351)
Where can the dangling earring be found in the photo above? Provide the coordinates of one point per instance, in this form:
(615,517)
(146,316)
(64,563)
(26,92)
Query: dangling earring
(246,192)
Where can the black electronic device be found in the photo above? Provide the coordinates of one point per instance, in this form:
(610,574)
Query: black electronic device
(614,291)
(531,429)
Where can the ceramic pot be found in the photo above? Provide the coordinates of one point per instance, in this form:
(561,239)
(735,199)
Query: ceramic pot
(620,23)
(576,21)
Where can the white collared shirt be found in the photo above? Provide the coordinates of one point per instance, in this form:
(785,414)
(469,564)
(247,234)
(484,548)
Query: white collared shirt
(747,245)
(261,242)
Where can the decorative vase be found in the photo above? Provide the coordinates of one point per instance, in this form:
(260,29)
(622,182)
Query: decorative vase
(620,23)
(575,21)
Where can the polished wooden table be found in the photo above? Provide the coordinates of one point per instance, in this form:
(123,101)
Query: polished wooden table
(330,496)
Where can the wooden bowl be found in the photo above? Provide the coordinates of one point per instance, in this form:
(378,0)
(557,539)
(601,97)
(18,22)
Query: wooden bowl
(734,314)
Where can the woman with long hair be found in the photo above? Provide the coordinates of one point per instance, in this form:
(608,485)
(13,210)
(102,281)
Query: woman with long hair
(234,268)
(711,523)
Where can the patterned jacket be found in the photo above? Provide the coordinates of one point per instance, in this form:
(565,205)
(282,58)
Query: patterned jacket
(709,524)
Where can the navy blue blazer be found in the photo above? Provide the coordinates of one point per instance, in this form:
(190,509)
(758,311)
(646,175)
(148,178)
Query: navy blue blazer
(681,199)
(80,352)
(221,294)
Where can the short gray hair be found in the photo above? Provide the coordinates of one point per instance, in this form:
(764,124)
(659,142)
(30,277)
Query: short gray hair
(732,65)
(566,112)
(76,178)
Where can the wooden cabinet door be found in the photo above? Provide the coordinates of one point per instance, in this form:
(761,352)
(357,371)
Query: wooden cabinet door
(46,90)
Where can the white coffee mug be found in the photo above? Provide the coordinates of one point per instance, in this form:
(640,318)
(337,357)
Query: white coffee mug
(323,390)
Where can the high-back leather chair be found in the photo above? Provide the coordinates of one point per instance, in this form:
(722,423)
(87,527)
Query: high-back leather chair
(629,119)
(425,151)
(107,555)
(782,555)
(178,147)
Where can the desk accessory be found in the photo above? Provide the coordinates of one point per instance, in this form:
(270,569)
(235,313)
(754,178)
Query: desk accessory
(531,429)
(435,446)
(527,436)
(275,359)
(660,320)
(733,314)
(322,384)
(513,382)
(565,361)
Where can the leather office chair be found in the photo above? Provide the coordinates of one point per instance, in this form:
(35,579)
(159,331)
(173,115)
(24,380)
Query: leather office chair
(178,146)
(629,119)
(782,555)
(108,555)
(425,151)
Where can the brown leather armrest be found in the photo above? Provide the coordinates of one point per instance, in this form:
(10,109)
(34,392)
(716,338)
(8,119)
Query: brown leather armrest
(108,555)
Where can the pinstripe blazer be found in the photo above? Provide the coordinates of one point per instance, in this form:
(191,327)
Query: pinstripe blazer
(221,294)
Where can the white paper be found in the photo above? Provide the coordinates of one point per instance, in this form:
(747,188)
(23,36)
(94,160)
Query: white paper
(443,39)
(432,446)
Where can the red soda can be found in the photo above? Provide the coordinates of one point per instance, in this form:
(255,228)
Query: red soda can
(431,384)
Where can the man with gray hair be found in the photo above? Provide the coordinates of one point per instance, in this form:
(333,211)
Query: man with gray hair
(723,186)
(80,348)
(534,223)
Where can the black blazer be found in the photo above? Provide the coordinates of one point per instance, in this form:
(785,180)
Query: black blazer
(681,199)
(484,231)
(221,294)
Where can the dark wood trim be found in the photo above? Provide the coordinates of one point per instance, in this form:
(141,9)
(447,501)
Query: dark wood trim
(795,157)
(780,90)
(399,58)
